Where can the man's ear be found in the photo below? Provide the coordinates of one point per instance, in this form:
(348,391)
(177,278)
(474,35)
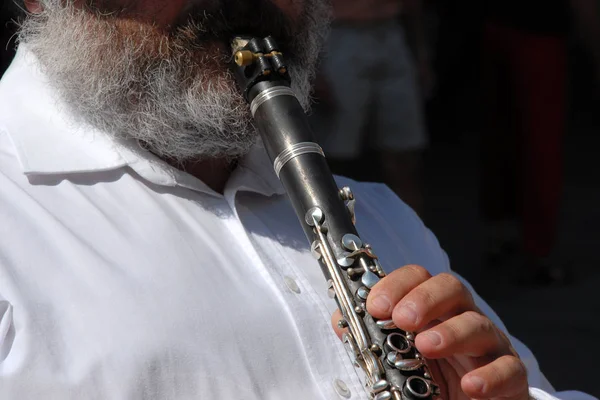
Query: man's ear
(33,6)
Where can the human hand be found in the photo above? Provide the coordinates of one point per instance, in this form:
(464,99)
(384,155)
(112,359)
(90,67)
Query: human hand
(469,357)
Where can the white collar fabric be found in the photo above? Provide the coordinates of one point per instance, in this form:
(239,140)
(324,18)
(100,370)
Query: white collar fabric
(52,141)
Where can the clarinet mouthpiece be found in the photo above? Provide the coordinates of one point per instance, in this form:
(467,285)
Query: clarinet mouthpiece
(258,60)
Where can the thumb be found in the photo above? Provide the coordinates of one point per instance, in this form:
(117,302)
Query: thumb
(335,318)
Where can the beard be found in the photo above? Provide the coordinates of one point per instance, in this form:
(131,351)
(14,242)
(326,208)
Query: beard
(171,90)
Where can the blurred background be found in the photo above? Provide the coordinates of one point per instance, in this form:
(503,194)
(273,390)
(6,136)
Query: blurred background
(484,116)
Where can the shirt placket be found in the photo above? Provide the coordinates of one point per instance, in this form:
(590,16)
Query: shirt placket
(303,301)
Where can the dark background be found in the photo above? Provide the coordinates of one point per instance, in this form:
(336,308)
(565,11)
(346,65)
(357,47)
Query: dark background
(560,324)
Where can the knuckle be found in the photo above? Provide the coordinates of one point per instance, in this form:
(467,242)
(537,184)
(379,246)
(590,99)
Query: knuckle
(423,297)
(388,283)
(516,365)
(496,375)
(506,377)
(453,284)
(418,272)
(481,322)
(449,280)
(381,286)
(453,333)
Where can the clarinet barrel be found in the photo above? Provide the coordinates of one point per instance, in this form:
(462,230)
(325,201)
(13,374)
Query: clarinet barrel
(392,366)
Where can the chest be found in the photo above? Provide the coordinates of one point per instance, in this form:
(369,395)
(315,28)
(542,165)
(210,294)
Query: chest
(175,298)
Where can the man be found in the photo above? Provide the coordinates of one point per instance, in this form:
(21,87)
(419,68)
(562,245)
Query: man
(148,251)
(368,92)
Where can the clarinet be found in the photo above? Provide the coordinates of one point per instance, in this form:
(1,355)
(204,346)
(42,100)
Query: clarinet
(392,366)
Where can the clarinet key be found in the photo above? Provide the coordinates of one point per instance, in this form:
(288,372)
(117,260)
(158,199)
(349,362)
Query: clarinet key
(383,395)
(376,350)
(380,386)
(355,273)
(391,358)
(362,293)
(408,365)
(369,279)
(351,242)
(386,324)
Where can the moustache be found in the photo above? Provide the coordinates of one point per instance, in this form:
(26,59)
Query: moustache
(222,20)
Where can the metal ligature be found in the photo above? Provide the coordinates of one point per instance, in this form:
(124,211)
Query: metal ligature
(393,367)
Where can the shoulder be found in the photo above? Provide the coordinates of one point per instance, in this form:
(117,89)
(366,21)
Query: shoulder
(395,231)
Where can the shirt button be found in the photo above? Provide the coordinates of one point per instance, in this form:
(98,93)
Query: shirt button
(342,389)
(291,284)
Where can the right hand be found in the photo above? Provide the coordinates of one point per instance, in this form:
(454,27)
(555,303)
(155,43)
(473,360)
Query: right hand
(470,357)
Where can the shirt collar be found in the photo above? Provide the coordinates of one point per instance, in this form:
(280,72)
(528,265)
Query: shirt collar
(49,140)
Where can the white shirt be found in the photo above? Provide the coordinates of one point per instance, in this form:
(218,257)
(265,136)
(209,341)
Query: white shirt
(123,278)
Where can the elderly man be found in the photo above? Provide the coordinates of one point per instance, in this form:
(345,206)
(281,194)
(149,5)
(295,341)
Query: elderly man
(148,251)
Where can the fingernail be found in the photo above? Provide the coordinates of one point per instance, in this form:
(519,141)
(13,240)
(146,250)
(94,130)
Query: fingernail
(407,311)
(477,383)
(433,337)
(382,304)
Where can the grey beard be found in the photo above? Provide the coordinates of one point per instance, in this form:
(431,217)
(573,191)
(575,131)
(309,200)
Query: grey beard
(174,96)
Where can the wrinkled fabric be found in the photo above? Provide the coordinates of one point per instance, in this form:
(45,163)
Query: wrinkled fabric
(124,278)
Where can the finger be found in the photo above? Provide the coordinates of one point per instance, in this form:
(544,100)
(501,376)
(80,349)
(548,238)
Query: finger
(335,318)
(469,333)
(388,292)
(431,300)
(505,377)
